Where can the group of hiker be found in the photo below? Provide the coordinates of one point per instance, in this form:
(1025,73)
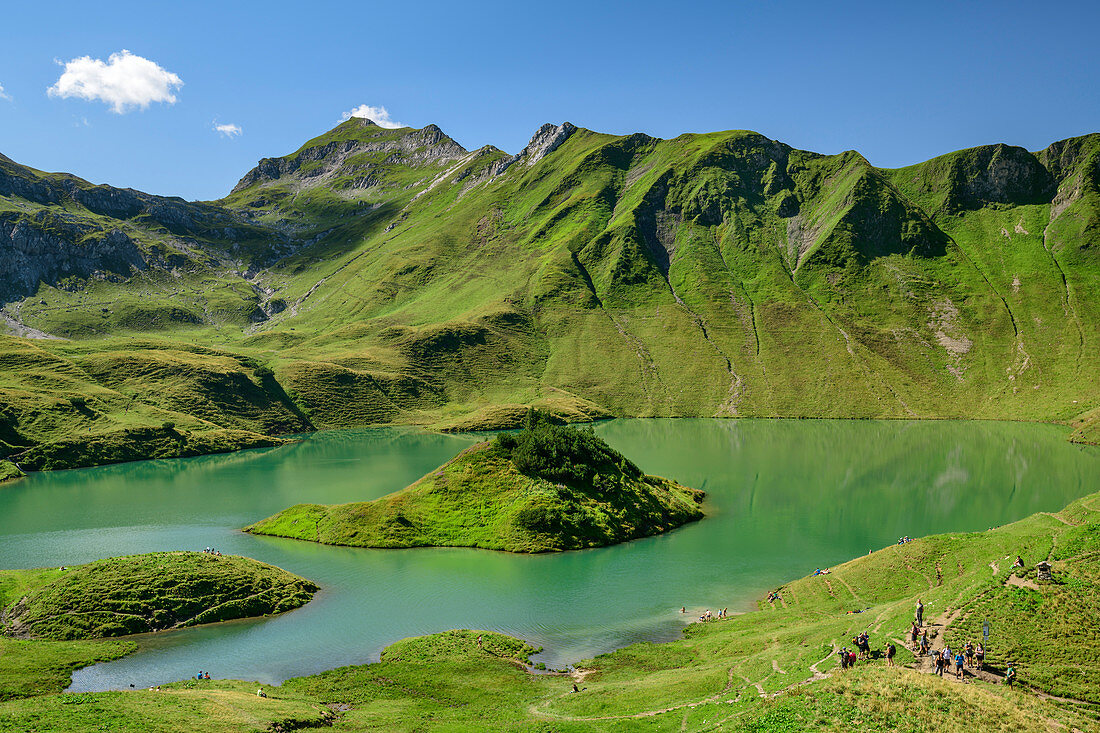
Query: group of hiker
(211,551)
(862,651)
(904,540)
(947,660)
(202,675)
(970,656)
(707,615)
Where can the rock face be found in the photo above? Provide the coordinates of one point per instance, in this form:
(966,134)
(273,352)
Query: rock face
(48,249)
(546,140)
(1001,174)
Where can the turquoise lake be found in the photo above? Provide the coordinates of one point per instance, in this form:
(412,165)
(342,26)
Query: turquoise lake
(784,497)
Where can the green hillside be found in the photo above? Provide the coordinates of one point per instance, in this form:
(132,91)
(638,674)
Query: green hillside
(391,276)
(548,488)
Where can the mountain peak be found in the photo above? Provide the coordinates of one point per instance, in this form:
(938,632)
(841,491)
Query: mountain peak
(356,154)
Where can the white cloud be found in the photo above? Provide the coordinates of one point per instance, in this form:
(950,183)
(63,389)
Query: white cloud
(3,95)
(124,81)
(227,130)
(378,115)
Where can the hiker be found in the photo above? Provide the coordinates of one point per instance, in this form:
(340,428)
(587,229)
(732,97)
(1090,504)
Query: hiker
(199,675)
(575,687)
(724,612)
(479,641)
(979,654)
(852,658)
(1019,562)
(891,650)
(914,634)
(260,693)
(843,653)
(1010,675)
(939,665)
(206,675)
(920,613)
(959,659)
(863,641)
(925,644)
(969,654)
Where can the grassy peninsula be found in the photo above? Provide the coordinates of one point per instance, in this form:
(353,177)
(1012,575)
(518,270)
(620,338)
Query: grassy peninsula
(549,487)
(53,620)
(142,593)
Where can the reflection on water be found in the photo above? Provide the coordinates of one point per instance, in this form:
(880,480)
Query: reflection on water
(784,496)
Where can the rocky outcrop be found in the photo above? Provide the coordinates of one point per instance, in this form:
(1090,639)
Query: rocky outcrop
(48,249)
(546,140)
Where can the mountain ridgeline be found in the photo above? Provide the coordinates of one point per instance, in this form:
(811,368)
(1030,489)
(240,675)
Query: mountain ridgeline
(391,276)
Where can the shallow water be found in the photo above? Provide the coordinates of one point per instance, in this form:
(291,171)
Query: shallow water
(785,496)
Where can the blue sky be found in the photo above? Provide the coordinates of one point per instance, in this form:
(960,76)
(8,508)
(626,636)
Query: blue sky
(900,82)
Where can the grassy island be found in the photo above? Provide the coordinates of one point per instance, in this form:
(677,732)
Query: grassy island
(142,593)
(549,487)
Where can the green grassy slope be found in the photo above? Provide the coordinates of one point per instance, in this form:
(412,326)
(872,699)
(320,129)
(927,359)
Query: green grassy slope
(392,276)
(774,668)
(143,593)
(549,488)
(87,403)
